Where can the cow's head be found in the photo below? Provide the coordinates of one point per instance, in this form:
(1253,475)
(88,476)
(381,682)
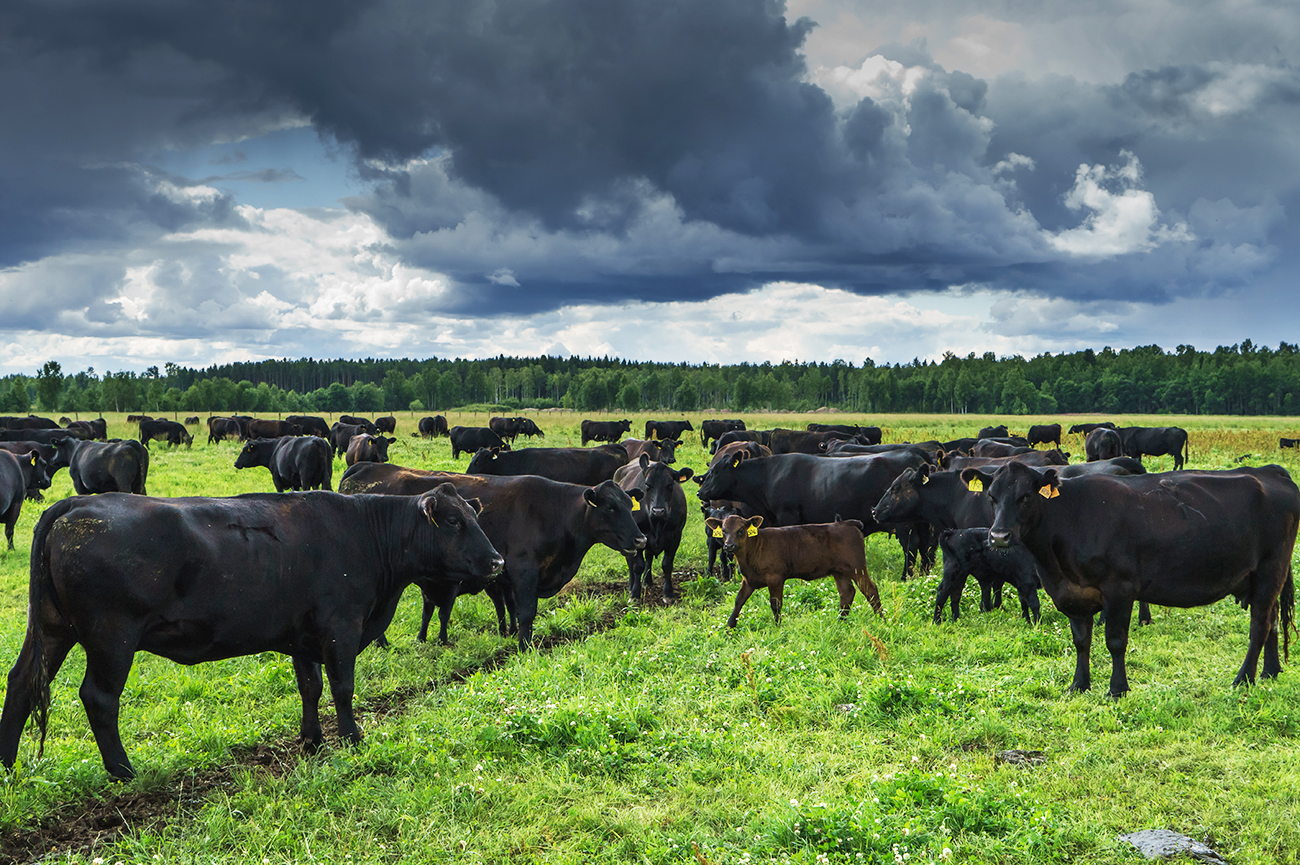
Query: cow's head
(660,485)
(454,547)
(668,450)
(36,475)
(609,517)
(481,464)
(902,501)
(1019,493)
(256,453)
(721,480)
(733,530)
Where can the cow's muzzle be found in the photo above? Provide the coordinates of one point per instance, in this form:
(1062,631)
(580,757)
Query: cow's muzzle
(1000,540)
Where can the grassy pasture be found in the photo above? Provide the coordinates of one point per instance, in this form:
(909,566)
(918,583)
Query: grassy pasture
(659,736)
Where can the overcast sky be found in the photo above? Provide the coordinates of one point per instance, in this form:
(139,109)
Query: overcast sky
(667,180)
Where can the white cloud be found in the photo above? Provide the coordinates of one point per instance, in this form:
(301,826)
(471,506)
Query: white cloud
(1120,222)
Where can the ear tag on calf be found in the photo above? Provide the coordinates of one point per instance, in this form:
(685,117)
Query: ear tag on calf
(636,505)
(717,533)
(976,485)
(1049,492)
(751,532)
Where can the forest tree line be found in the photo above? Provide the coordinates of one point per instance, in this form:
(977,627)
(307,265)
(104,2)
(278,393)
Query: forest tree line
(1238,379)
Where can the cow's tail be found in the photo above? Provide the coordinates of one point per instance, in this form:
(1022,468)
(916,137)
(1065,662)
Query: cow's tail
(38,676)
(1187,448)
(141,476)
(1286,607)
(704,442)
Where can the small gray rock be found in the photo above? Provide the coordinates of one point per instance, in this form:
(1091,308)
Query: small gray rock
(1163,844)
(1019,758)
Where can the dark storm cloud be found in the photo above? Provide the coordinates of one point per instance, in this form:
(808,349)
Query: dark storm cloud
(546,152)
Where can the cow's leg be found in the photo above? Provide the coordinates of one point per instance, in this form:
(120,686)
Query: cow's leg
(670,554)
(1081,631)
(927,546)
(1144,613)
(776,596)
(1030,607)
(945,593)
(1261,622)
(444,616)
(906,540)
(713,556)
(526,606)
(341,667)
(24,681)
(986,594)
(633,575)
(309,688)
(427,606)
(1272,660)
(499,591)
(1119,616)
(741,596)
(844,586)
(101,694)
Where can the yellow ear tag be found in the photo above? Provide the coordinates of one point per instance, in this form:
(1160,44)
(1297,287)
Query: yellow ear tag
(976,485)
(1049,492)
(717,533)
(636,505)
(751,532)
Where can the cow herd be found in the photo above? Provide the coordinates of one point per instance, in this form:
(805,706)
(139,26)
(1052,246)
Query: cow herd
(317,575)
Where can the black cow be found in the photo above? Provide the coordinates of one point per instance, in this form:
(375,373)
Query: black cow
(44,436)
(102,467)
(789,441)
(1030,457)
(1155,441)
(221,428)
(20,478)
(32,422)
(990,432)
(661,517)
(1288,443)
(528,428)
(316,576)
(720,510)
(604,430)
(386,424)
(310,425)
(1086,428)
(264,428)
(505,427)
(368,448)
(714,429)
(366,425)
(663,451)
(341,435)
(1102,444)
(967,553)
(295,463)
(990,448)
(791,489)
(541,527)
(845,448)
(22,449)
(567,465)
(850,431)
(192,420)
(432,427)
(1178,540)
(1044,433)
(746,450)
(667,429)
(1118,466)
(95,428)
(170,431)
(762,436)
(472,439)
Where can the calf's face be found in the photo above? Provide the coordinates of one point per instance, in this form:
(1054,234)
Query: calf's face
(733,531)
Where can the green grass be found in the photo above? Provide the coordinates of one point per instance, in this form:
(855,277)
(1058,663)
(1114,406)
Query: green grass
(667,738)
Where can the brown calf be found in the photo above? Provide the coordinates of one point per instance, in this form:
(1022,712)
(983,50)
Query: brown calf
(769,557)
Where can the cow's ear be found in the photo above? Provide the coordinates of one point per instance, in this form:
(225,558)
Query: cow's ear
(429,504)
(756,522)
(699,479)
(684,475)
(590,495)
(712,523)
(1051,487)
(924,471)
(475,505)
(644,462)
(392,440)
(973,479)
(737,460)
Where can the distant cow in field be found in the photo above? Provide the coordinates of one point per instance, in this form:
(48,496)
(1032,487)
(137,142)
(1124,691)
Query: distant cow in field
(604,430)
(667,429)
(295,463)
(1155,441)
(1102,444)
(1044,434)
(310,425)
(368,448)
(386,424)
(505,427)
(990,432)
(472,439)
(165,430)
(192,420)
(714,429)
(528,428)
(432,427)
(221,428)
(662,451)
(1288,443)
(103,467)
(1086,428)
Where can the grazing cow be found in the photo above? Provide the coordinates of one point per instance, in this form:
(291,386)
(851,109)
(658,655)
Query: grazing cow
(660,515)
(747,450)
(386,424)
(341,434)
(432,427)
(1155,441)
(22,449)
(136,418)
(1178,540)
(667,429)
(95,428)
(528,428)
(271,429)
(542,528)
(990,432)
(316,576)
(20,478)
(368,448)
(366,426)
(295,463)
(170,431)
(310,425)
(966,553)
(586,466)
(221,428)
(505,427)
(1044,433)
(769,557)
(192,420)
(762,436)
(1288,443)
(1102,444)
(713,429)
(663,451)
(788,441)
(720,510)
(472,439)
(102,467)
(604,430)
(792,489)
(1086,428)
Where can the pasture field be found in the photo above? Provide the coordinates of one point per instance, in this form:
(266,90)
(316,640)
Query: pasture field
(653,734)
